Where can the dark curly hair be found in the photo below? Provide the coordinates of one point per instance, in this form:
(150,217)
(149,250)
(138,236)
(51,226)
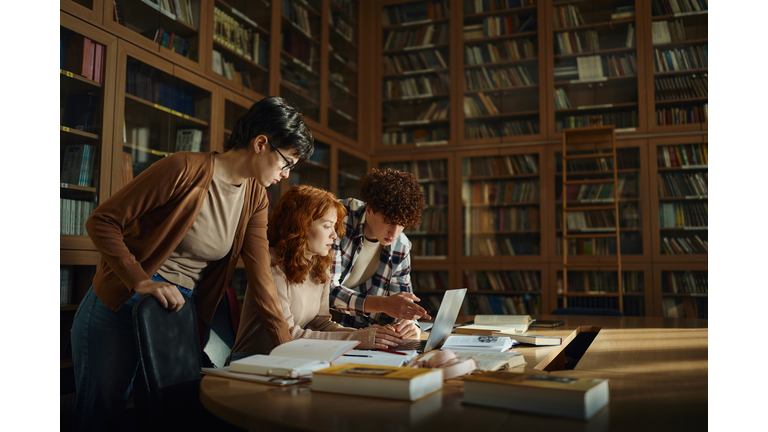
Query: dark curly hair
(395,194)
(278,120)
(288,231)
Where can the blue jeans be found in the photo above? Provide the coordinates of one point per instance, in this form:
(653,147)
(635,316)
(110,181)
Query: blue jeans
(106,360)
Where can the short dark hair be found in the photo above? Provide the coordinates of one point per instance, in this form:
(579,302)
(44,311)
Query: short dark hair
(277,119)
(395,194)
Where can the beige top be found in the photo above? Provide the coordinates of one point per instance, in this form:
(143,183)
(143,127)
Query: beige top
(210,237)
(365,265)
(305,307)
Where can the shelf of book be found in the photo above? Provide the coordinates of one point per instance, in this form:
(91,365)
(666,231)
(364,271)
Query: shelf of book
(350,168)
(316,171)
(90,10)
(597,287)
(681,290)
(503,99)
(431,240)
(159,27)
(343,41)
(595,199)
(676,78)
(86,102)
(415,90)
(239,45)
(501,201)
(164,109)
(678,185)
(595,70)
(301,34)
(516,289)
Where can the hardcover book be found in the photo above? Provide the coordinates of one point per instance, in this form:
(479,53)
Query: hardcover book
(390,382)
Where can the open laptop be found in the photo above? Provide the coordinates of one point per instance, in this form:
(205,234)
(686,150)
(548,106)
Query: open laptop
(446,317)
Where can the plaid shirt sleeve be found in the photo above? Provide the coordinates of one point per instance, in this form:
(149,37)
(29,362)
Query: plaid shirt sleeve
(401,271)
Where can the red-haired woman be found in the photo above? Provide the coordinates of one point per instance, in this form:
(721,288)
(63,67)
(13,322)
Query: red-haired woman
(304,225)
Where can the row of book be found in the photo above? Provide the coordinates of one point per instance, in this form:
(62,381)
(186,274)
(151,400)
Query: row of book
(414,12)
(683,184)
(501,51)
(685,307)
(502,129)
(435,111)
(228,69)
(501,246)
(424,36)
(631,244)
(300,49)
(682,155)
(426,170)
(429,280)
(500,165)
(172,41)
(601,164)
(667,31)
(420,86)
(348,6)
(681,87)
(66,274)
(83,56)
(73,214)
(499,193)
(684,245)
(676,59)
(435,193)
(480,6)
(509,280)
(670,7)
(239,38)
(502,305)
(685,282)
(626,186)
(600,220)
(567,16)
(77,163)
(497,78)
(502,25)
(683,215)
(561,99)
(393,135)
(429,247)
(145,83)
(577,42)
(178,9)
(620,119)
(601,282)
(298,15)
(479,105)
(501,219)
(425,60)
(81,111)
(682,115)
(346,30)
(433,220)
(633,306)
(295,79)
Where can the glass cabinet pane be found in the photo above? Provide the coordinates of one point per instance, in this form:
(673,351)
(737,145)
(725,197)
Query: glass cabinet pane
(300,55)
(343,60)
(351,170)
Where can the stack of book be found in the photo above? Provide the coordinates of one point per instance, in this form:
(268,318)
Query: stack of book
(668,31)
(82,56)
(590,67)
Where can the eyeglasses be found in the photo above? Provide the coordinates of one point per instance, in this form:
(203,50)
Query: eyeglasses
(289,165)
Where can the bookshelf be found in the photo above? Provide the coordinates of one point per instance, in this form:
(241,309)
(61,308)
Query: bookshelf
(152,25)
(165,109)
(86,95)
(240,45)
(595,67)
(431,240)
(343,59)
(505,289)
(597,287)
(677,65)
(316,171)
(502,62)
(678,185)
(634,216)
(415,90)
(682,290)
(501,206)
(350,169)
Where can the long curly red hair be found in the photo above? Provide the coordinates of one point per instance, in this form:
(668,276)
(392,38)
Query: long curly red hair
(288,231)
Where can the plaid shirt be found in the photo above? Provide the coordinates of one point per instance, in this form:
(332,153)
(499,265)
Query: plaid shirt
(392,276)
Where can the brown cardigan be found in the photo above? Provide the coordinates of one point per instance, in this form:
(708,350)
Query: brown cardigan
(137,228)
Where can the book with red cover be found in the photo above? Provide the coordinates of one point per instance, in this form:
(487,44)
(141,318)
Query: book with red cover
(80,56)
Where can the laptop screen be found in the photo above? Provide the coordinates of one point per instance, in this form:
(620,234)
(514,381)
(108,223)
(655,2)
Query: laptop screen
(446,317)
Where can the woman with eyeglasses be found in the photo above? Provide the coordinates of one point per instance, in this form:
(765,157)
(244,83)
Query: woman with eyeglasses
(175,232)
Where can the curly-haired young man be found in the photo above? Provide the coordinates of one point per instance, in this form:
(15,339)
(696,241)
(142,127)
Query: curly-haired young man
(371,271)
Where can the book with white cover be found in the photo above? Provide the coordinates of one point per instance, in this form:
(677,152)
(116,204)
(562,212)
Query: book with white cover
(373,357)
(478,343)
(489,324)
(293,359)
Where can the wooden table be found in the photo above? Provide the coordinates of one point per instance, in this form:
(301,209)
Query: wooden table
(658,381)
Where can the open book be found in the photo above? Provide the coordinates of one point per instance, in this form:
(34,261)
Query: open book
(294,359)
(490,324)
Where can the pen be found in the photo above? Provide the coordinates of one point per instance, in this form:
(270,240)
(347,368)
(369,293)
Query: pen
(356,355)
(390,351)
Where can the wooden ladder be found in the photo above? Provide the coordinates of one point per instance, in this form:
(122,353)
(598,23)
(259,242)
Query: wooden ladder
(590,141)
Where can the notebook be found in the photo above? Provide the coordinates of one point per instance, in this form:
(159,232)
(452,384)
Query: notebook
(446,317)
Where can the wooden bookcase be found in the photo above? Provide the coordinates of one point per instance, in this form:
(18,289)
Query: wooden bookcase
(503,73)
(342,64)
(681,284)
(678,94)
(604,92)
(90,10)
(490,288)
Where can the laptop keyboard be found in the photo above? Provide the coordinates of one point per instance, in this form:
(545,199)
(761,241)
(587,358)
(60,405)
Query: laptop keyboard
(413,344)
